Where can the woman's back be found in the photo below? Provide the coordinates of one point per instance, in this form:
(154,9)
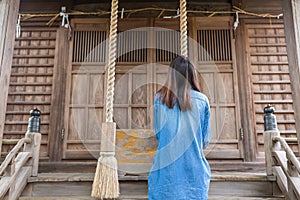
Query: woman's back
(180,170)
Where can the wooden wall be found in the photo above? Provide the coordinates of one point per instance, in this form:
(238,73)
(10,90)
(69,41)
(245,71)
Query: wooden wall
(269,78)
(30,83)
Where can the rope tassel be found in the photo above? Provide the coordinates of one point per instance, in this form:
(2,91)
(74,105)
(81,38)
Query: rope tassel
(106,184)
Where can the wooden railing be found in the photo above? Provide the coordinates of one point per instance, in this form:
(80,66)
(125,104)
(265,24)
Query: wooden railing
(282,163)
(20,164)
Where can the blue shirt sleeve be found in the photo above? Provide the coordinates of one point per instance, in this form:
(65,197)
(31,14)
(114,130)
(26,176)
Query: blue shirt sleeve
(159,116)
(206,133)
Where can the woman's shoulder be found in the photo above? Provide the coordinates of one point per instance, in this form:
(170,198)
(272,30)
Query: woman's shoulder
(198,95)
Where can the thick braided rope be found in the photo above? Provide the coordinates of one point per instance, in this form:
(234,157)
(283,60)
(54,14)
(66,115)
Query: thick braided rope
(110,85)
(183,28)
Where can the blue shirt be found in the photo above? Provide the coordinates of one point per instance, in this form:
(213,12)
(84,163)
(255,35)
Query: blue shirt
(180,170)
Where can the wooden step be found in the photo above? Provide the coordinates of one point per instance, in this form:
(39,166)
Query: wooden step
(141,197)
(144,197)
(79,185)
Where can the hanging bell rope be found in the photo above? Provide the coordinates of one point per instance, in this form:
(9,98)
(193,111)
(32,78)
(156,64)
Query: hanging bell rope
(106,184)
(111,62)
(183,29)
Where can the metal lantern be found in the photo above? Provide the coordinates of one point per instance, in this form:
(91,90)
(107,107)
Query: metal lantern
(270,122)
(34,121)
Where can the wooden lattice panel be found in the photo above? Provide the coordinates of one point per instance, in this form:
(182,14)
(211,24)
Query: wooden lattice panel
(131,46)
(89,46)
(167,45)
(270,79)
(30,85)
(216,43)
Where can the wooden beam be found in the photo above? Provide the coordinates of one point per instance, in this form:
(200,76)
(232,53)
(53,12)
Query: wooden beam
(246,104)
(6,55)
(291,12)
(58,93)
(3,22)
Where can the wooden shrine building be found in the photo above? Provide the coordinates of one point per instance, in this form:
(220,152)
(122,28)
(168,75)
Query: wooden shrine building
(53,56)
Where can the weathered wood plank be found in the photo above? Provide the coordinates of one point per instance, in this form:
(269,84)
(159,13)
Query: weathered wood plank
(3,23)
(281,179)
(3,185)
(247,121)
(58,94)
(9,181)
(34,149)
(6,56)
(22,159)
(268,146)
(20,183)
(296,186)
(291,11)
(12,154)
(90,166)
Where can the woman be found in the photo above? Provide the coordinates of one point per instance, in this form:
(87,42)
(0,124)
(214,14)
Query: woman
(182,127)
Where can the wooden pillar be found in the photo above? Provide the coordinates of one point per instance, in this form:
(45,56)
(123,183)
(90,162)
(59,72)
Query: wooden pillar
(246,113)
(58,94)
(9,10)
(3,23)
(291,15)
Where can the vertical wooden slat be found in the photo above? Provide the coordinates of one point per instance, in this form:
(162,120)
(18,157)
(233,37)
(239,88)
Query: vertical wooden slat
(79,46)
(222,45)
(83,46)
(205,45)
(130,92)
(137,51)
(101,46)
(90,56)
(226,45)
(98,53)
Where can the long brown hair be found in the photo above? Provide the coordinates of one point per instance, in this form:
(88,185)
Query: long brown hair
(182,77)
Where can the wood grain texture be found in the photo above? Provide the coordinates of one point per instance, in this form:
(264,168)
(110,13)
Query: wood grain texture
(292,26)
(265,59)
(30,82)
(9,21)
(3,23)
(58,94)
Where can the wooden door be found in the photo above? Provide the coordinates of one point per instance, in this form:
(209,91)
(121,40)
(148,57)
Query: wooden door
(211,48)
(84,110)
(85,89)
(213,53)
(143,58)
